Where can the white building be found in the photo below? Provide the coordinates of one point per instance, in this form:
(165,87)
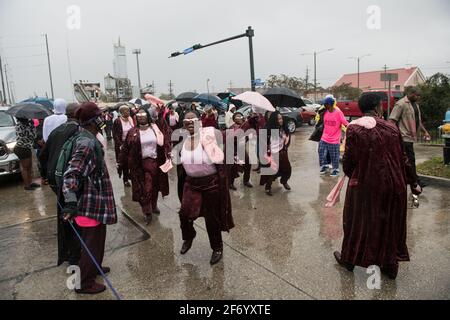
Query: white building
(120,61)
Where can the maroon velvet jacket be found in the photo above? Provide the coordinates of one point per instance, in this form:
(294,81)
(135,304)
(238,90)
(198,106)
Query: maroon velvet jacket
(375,206)
(131,154)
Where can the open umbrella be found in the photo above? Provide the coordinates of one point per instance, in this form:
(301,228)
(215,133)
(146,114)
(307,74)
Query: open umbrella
(138,101)
(210,99)
(283,97)
(48,103)
(186,96)
(224,95)
(29,110)
(256,99)
(153,100)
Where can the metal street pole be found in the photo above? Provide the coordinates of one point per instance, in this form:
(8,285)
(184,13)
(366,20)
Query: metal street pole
(49,68)
(3,83)
(358,59)
(315,68)
(250,34)
(137,52)
(207,85)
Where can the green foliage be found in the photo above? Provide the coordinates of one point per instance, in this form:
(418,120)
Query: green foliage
(294,83)
(345,92)
(166,96)
(434,167)
(435,100)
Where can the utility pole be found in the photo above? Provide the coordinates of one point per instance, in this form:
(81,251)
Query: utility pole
(3,83)
(207,85)
(231,85)
(137,52)
(315,68)
(7,85)
(13,100)
(306,80)
(385,68)
(49,68)
(170,88)
(358,59)
(153,87)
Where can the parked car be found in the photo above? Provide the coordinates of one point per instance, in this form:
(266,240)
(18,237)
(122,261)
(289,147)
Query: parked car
(9,163)
(350,108)
(310,106)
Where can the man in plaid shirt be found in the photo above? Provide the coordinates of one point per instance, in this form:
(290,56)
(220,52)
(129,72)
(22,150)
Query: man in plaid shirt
(88,195)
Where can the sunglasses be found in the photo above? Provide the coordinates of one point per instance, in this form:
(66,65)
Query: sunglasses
(190,120)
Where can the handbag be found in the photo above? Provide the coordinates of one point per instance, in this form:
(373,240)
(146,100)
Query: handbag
(317,133)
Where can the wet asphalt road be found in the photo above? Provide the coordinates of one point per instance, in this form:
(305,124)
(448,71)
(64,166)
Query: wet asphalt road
(281,247)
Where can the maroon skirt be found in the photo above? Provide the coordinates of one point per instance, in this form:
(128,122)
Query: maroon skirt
(200,195)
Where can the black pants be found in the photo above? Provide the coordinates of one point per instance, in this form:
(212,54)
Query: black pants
(94,237)
(212,227)
(409,150)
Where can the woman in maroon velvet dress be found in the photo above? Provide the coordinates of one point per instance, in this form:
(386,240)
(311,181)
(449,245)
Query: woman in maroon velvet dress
(144,150)
(375,206)
(240,165)
(204,182)
(209,118)
(120,128)
(278,141)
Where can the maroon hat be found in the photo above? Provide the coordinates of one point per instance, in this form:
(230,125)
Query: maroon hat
(86,112)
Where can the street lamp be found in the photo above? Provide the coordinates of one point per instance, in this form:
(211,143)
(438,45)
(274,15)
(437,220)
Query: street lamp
(315,53)
(249,33)
(358,59)
(137,52)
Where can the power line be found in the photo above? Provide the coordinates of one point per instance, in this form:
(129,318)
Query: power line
(30,56)
(26,46)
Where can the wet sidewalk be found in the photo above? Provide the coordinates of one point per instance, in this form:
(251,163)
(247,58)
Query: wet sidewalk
(281,248)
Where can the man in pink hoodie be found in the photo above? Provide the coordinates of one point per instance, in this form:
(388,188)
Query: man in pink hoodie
(331,137)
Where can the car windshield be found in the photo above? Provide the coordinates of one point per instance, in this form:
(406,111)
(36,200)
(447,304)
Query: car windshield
(307,101)
(6,120)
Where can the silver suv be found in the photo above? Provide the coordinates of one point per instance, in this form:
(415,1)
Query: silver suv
(9,163)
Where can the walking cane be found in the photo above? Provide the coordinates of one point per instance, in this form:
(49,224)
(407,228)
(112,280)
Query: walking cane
(92,258)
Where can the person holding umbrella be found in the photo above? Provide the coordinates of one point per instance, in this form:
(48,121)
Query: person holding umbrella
(26,136)
(121,126)
(143,150)
(239,143)
(173,119)
(278,140)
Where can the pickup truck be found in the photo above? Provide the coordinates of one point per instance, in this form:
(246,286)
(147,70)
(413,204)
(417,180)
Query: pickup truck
(350,108)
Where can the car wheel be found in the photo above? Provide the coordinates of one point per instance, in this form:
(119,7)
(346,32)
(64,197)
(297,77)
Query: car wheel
(291,125)
(312,122)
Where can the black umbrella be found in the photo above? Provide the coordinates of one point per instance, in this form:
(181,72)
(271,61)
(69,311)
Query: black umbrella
(186,96)
(29,110)
(283,97)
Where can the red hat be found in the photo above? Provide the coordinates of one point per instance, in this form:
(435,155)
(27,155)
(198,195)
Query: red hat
(86,112)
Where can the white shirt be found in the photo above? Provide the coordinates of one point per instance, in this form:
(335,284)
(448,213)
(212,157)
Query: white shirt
(148,143)
(196,162)
(229,119)
(277,143)
(52,122)
(126,126)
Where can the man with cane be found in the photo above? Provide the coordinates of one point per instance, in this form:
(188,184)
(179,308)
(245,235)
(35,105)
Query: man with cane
(88,195)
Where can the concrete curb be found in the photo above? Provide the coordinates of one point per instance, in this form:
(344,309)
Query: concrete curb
(435,181)
(431,145)
(135,223)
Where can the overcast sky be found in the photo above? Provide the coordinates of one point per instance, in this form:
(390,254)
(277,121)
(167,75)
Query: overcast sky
(412,32)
